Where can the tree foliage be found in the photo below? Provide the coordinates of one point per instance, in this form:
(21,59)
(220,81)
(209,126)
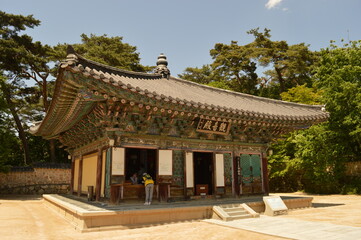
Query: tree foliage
(15,55)
(107,50)
(306,160)
(318,155)
(203,75)
(14,48)
(303,94)
(23,62)
(339,76)
(289,65)
(10,153)
(206,76)
(239,67)
(234,64)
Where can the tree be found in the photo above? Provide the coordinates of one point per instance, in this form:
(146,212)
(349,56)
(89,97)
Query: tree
(238,66)
(14,47)
(339,76)
(19,100)
(15,53)
(320,152)
(303,94)
(206,76)
(233,64)
(107,50)
(290,65)
(285,173)
(203,75)
(10,153)
(310,160)
(22,59)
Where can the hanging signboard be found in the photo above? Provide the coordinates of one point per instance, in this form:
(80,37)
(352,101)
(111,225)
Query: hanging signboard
(213,126)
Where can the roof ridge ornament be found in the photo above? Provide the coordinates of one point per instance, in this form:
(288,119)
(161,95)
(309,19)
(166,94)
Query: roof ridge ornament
(162,68)
(71,57)
(70,50)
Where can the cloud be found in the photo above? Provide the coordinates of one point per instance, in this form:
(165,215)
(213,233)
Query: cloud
(273,3)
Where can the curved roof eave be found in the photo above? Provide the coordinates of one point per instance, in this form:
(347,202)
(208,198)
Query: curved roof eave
(174,89)
(170,90)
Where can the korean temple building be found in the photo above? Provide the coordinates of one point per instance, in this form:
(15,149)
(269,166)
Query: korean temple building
(194,140)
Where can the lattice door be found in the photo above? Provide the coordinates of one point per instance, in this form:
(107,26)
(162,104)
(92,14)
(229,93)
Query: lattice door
(251,173)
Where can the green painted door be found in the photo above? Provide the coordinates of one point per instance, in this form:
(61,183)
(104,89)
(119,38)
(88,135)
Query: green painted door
(251,173)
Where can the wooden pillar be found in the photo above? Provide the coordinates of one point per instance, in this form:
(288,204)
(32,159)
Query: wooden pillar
(72,175)
(235,174)
(184,175)
(265,173)
(108,172)
(99,176)
(80,173)
(189,173)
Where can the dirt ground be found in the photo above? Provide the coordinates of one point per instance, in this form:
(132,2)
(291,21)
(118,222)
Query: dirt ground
(25,217)
(336,209)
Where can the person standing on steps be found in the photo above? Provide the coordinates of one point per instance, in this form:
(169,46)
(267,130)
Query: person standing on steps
(149,186)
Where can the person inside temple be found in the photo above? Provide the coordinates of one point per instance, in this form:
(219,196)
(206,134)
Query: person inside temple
(134,178)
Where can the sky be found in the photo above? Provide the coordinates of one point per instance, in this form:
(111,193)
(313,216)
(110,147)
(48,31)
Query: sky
(186,30)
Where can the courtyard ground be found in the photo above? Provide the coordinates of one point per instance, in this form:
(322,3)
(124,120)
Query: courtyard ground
(25,217)
(336,209)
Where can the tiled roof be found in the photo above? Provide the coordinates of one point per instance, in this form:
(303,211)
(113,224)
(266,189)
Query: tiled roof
(166,89)
(187,92)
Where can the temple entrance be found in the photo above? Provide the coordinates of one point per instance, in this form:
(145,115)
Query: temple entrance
(251,173)
(139,161)
(203,173)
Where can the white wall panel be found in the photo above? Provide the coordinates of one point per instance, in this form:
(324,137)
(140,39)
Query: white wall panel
(118,155)
(219,170)
(189,169)
(165,162)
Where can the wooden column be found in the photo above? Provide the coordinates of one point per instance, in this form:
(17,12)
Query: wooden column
(72,175)
(99,176)
(235,174)
(189,172)
(80,173)
(265,173)
(184,175)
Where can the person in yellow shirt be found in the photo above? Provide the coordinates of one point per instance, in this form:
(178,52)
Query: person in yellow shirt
(149,186)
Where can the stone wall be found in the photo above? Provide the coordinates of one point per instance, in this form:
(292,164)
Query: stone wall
(37,180)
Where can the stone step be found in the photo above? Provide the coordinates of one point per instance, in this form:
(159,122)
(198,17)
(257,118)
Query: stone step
(235,209)
(229,206)
(232,212)
(237,213)
(240,216)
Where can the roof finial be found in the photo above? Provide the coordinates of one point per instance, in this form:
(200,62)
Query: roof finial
(71,57)
(162,68)
(70,50)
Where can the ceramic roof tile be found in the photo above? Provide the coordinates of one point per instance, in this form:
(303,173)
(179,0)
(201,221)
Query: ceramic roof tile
(189,91)
(179,91)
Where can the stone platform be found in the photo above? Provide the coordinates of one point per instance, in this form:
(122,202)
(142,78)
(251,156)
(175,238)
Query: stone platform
(96,216)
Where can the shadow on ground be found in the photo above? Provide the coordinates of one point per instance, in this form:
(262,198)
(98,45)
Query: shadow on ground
(21,197)
(322,205)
